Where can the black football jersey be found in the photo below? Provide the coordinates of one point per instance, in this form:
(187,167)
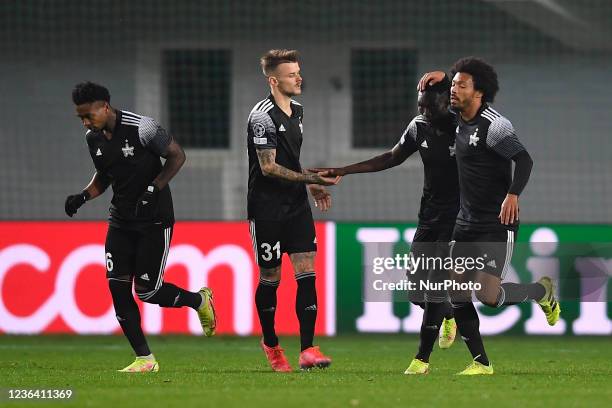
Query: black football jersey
(484,148)
(436,145)
(129,162)
(268,127)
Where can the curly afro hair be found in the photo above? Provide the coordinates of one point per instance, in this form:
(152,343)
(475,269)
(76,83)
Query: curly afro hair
(88,92)
(483,74)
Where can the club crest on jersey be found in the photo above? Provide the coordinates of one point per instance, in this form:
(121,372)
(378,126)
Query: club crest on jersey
(474,138)
(301,128)
(451,150)
(259,129)
(127,150)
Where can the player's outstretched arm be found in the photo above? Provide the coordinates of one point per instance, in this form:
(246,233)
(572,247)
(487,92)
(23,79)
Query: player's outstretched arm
(95,188)
(387,160)
(269,168)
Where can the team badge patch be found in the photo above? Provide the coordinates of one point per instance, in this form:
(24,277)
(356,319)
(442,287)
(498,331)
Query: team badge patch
(259,129)
(474,138)
(127,150)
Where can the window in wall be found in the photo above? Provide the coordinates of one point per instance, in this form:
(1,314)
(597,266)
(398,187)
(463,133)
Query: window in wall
(198,85)
(383,85)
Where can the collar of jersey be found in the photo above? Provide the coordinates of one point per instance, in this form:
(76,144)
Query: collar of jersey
(475,118)
(271,97)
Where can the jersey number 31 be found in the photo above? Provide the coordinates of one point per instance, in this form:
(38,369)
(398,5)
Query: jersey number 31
(267,255)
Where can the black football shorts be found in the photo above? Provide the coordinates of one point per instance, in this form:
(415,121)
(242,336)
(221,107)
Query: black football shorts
(491,249)
(273,238)
(138,254)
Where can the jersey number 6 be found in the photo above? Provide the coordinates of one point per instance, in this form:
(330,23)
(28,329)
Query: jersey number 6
(109,261)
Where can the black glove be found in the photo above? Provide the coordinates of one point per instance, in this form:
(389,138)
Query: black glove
(74,202)
(146,206)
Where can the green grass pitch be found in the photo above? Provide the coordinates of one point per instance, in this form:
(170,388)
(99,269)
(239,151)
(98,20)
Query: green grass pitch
(367,371)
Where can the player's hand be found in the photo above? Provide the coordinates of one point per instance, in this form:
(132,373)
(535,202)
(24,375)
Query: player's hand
(323,179)
(320,177)
(430,78)
(146,206)
(330,171)
(321,196)
(509,213)
(74,202)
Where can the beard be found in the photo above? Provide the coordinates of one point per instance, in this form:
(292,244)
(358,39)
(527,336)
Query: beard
(291,91)
(458,106)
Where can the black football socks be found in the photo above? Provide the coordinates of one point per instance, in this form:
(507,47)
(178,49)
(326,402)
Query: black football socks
(265,301)
(306,307)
